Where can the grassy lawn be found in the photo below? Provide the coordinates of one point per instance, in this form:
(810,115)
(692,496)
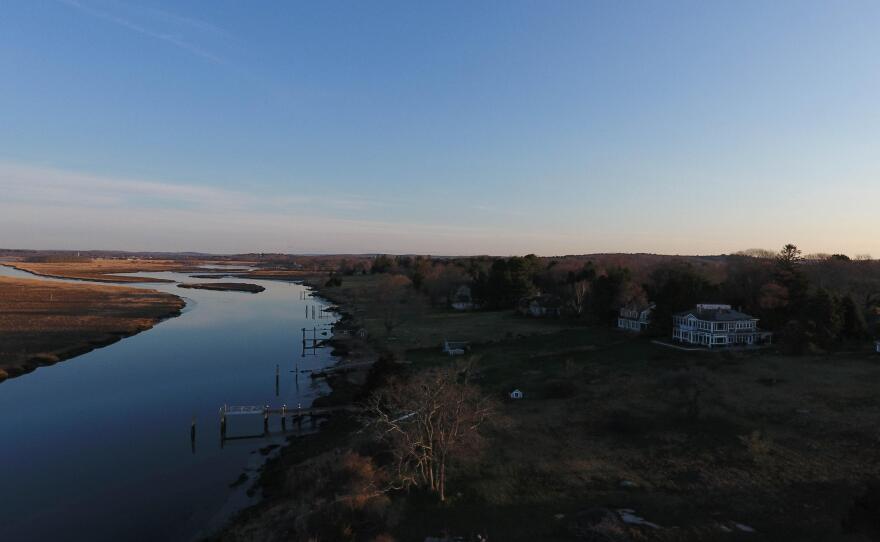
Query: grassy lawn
(781,444)
(422,326)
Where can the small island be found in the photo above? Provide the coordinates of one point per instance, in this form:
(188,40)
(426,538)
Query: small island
(224,286)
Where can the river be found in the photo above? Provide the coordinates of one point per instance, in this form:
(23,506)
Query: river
(98,447)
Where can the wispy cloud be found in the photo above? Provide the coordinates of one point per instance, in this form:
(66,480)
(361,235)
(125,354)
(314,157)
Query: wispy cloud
(52,208)
(24,183)
(177,41)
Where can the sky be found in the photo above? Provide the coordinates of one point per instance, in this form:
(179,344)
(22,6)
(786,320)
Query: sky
(488,127)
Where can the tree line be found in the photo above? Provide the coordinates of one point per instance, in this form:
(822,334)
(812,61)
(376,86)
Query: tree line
(810,302)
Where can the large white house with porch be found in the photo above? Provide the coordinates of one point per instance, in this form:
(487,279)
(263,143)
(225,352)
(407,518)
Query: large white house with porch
(717,325)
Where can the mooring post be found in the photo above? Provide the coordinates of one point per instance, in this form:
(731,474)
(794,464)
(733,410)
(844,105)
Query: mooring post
(192,434)
(266,419)
(277,378)
(222,424)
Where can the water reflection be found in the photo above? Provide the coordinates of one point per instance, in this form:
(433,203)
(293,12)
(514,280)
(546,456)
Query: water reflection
(95,447)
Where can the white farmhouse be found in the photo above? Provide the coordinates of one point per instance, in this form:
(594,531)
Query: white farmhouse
(516,394)
(635,317)
(717,325)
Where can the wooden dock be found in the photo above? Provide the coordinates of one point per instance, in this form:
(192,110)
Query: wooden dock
(297,415)
(311,341)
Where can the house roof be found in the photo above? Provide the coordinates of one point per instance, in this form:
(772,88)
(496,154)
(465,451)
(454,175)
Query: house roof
(716,315)
(640,306)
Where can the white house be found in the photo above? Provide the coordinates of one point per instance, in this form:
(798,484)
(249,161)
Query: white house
(462,300)
(717,325)
(635,317)
(877,346)
(516,394)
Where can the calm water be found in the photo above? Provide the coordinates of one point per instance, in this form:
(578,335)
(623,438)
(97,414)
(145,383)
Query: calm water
(98,447)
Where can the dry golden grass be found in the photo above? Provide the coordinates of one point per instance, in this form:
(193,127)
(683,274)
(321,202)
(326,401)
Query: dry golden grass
(106,270)
(42,322)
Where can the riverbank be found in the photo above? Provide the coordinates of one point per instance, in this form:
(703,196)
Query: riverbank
(291,498)
(702,446)
(44,322)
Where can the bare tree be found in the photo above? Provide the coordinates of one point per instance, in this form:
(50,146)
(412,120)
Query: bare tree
(391,294)
(429,421)
(579,292)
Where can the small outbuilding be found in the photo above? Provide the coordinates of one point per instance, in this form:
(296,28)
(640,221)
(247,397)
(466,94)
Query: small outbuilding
(516,394)
(877,346)
(455,348)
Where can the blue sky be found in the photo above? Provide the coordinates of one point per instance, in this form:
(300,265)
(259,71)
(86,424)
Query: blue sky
(444,128)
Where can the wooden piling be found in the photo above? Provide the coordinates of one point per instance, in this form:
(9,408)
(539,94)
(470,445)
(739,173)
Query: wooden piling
(266,419)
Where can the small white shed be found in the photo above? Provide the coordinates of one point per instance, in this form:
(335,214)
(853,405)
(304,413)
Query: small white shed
(877,346)
(516,394)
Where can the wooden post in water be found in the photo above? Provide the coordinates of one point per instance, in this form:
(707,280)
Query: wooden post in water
(222,425)
(192,434)
(277,377)
(266,419)
(284,417)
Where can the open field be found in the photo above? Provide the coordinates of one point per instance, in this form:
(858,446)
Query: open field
(421,326)
(107,270)
(783,445)
(695,442)
(43,322)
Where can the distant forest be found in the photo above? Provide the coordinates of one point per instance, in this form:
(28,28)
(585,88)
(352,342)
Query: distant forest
(812,303)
